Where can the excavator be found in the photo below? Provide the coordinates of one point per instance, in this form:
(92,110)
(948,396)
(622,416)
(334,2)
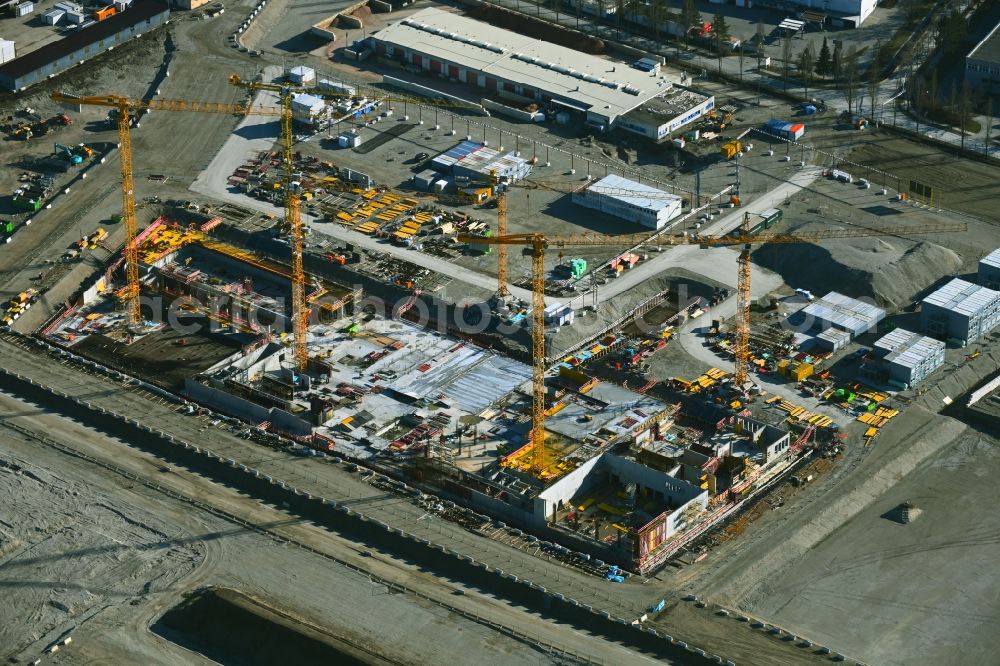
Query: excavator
(72,157)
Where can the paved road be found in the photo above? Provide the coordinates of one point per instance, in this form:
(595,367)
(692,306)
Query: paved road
(753,80)
(719,264)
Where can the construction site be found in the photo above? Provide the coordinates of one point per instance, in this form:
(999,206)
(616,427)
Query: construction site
(483,352)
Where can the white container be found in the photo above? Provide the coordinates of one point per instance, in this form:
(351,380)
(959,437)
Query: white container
(6,51)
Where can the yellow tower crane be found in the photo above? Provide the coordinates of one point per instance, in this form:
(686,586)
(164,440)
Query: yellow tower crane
(126,107)
(539,243)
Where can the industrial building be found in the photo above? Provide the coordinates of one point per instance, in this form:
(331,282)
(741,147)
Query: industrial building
(309,109)
(960,311)
(630,201)
(839,13)
(519,68)
(81,44)
(836,310)
(908,357)
(982,65)
(989,270)
(662,116)
(478,163)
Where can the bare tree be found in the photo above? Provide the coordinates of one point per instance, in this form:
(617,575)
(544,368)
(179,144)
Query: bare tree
(849,78)
(874,75)
(741,59)
(806,64)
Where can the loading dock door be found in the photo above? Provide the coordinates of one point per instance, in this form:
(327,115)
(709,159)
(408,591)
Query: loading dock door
(436,66)
(418,60)
(491,84)
(452,72)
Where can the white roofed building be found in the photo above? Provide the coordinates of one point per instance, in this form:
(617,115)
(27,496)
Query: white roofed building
(631,201)
(521,68)
(960,311)
(989,270)
(908,357)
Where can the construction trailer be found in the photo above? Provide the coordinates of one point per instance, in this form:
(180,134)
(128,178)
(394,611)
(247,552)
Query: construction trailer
(960,312)
(6,51)
(908,357)
(989,270)
(836,310)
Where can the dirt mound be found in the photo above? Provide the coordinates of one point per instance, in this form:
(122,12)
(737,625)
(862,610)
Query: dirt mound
(889,270)
(537,28)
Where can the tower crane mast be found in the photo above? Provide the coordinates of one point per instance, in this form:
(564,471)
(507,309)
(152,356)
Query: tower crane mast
(539,243)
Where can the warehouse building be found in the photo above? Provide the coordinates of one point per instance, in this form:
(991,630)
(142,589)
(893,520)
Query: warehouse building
(478,163)
(630,201)
(659,118)
(960,311)
(81,44)
(982,65)
(908,357)
(519,68)
(838,311)
(989,270)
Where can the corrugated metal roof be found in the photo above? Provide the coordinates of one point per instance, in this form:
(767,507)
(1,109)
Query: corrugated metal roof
(606,88)
(477,157)
(962,297)
(835,335)
(612,186)
(992,259)
(845,312)
(909,349)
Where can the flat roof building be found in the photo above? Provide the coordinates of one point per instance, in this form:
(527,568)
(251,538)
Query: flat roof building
(836,310)
(989,270)
(908,357)
(518,67)
(960,311)
(659,118)
(631,201)
(473,160)
(982,65)
(81,44)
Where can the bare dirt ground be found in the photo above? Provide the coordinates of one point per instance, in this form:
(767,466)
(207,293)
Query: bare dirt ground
(86,551)
(921,593)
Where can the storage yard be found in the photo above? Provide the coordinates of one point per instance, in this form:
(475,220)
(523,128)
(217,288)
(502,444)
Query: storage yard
(307,360)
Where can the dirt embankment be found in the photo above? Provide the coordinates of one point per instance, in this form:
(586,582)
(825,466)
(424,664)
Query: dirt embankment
(231,628)
(889,270)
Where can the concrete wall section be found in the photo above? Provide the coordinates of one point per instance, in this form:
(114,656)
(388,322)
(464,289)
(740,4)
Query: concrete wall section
(245,410)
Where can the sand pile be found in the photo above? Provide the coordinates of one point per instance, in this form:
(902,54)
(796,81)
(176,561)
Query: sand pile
(892,271)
